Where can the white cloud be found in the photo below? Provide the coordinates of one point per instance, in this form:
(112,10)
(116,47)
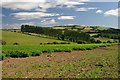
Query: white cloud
(82,0)
(23,1)
(48,21)
(73,3)
(113,12)
(42,5)
(85,9)
(66,17)
(20,5)
(99,11)
(15,25)
(32,15)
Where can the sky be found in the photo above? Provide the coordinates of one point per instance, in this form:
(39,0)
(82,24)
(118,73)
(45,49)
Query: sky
(48,13)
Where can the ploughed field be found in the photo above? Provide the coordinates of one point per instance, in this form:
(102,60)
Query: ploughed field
(101,62)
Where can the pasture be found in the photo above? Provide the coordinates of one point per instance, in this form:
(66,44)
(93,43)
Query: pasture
(23,39)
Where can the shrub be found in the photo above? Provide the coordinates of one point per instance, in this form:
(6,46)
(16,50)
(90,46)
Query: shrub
(81,42)
(15,43)
(104,42)
(35,53)
(41,43)
(58,50)
(67,50)
(14,31)
(92,40)
(49,43)
(55,42)
(47,51)
(2,42)
(98,41)
(16,54)
(2,56)
(109,41)
(65,43)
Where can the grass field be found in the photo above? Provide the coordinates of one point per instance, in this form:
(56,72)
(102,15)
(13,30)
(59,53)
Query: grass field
(97,63)
(105,39)
(23,39)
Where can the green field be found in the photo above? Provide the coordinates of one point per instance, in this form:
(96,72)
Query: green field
(36,50)
(97,63)
(30,45)
(23,39)
(105,39)
(87,61)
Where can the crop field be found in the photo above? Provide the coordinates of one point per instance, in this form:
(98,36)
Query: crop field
(30,59)
(23,39)
(36,50)
(97,63)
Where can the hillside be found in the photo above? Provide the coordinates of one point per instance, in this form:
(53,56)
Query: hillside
(15,37)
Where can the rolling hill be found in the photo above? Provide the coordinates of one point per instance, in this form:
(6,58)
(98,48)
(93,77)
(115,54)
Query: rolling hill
(15,37)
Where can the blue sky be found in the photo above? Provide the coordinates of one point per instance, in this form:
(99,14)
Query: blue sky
(64,12)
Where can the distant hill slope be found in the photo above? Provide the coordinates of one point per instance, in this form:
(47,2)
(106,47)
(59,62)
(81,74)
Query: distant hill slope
(15,37)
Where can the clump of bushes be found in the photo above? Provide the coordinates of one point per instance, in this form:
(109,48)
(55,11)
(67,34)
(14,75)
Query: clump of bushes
(81,42)
(36,53)
(92,40)
(48,51)
(3,42)
(65,43)
(62,50)
(55,43)
(98,41)
(41,43)
(109,41)
(16,43)
(16,54)
(2,56)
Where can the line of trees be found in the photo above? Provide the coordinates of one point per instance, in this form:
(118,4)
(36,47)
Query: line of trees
(110,33)
(68,35)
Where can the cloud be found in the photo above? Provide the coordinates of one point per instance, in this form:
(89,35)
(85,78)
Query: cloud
(15,25)
(32,15)
(20,5)
(84,9)
(22,1)
(48,21)
(113,12)
(73,3)
(82,0)
(42,5)
(99,11)
(66,17)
